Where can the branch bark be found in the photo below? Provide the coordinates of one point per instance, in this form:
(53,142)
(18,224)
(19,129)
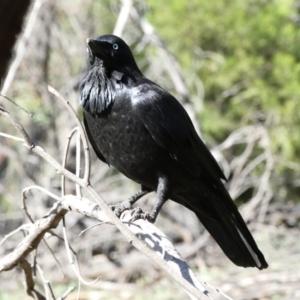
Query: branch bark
(183,276)
(155,241)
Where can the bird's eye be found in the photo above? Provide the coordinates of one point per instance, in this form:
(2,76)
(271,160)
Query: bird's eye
(115,46)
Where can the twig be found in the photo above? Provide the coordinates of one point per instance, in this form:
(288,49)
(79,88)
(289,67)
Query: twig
(21,228)
(66,293)
(53,254)
(16,104)
(82,133)
(18,126)
(78,152)
(169,256)
(32,240)
(171,64)
(11,137)
(10,261)
(122,18)
(71,261)
(24,207)
(47,285)
(24,191)
(45,191)
(29,282)
(238,164)
(95,225)
(64,160)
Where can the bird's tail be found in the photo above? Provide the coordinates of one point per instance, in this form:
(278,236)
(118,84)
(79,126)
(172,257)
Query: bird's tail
(220,216)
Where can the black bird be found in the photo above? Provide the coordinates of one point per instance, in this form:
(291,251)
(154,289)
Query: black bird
(141,130)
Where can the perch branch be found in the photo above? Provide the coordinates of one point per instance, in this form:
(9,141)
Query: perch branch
(32,240)
(151,238)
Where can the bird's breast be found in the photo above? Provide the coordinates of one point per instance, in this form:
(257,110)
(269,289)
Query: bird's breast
(125,143)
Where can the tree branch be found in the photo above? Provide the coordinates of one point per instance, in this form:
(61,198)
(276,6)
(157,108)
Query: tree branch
(155,241)
(52,219)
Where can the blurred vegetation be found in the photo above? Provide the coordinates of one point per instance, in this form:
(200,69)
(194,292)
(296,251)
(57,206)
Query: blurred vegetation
(240,62)
(247,55)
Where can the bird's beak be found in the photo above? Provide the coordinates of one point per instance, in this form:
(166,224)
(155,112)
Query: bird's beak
(96,48)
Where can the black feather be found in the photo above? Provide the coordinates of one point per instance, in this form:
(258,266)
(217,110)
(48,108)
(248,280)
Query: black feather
(144,132)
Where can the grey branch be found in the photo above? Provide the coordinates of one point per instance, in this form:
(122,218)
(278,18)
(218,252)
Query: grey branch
(52,219)
(155,240)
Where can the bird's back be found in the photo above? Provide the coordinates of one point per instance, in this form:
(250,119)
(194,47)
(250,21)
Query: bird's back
(145,133)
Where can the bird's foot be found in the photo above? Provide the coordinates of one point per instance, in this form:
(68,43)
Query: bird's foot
(139,214)
(119,208)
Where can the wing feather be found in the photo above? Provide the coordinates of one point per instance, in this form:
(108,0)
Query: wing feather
(171,128)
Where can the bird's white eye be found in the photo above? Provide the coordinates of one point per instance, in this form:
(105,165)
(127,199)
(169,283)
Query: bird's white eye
(115,46)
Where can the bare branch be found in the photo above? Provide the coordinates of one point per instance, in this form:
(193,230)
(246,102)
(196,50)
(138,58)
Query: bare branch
(18,126)
(51,220)
(8,136)
(21,228)
(47,286)
(64,296)
(163,249)
(29,282)
(78,152)
(82,133)
(64,162)
(71,261)
(45,191)
(122,18)
(32,240)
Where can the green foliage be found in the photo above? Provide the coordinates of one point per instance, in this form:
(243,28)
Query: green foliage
(259,72)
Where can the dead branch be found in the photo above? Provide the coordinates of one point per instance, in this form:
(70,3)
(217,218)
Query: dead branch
(52,219)
(29,282)
(145,231)
(32,240)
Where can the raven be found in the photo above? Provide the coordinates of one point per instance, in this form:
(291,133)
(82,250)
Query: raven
(142,131)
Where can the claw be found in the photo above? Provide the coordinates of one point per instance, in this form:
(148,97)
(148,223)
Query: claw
(139,214)
(119,208)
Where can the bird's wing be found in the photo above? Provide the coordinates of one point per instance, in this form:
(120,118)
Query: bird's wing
(92,142)
(171,128)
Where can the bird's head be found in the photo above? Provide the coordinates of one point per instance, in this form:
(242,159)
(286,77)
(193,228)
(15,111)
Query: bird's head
(111,51)
(112,67)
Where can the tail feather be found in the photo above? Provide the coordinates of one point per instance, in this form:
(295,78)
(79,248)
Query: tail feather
(239,246)
(223,221)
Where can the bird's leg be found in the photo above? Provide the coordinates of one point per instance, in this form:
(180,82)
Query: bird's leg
(163,191)
(121,207)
